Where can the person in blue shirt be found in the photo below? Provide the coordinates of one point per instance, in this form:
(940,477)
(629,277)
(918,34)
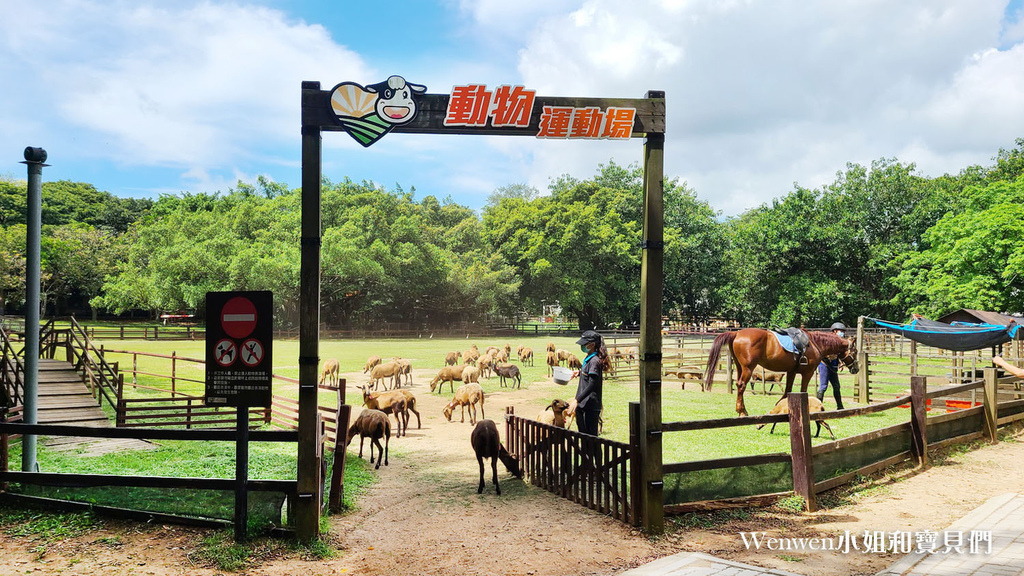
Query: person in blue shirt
(828,370)
(587,403)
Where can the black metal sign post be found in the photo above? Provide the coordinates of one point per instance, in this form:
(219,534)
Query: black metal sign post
(239,372)
(369,113)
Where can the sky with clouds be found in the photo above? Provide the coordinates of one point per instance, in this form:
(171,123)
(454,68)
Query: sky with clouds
(146,97)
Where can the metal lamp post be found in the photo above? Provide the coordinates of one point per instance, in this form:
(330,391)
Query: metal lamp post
(34,158)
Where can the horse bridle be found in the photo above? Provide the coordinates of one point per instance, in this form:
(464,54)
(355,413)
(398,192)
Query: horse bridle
(850,358)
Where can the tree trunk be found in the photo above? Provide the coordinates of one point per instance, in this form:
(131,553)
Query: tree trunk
(589,318)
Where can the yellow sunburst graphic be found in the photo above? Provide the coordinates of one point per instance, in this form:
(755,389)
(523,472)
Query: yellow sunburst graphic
(351,100)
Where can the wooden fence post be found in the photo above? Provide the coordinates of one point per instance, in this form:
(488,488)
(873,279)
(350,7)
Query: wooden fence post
(800,442)
(861,344)
(174,373)
(509,411)
(135,366)
(919,420)
(913,358)
(990,400)
(4,456)
(338,470)
(863,381)
(4,451)
(635,480)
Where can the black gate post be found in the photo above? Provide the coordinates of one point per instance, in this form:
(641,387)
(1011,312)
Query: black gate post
(242,474)
(651,288)
(307,508)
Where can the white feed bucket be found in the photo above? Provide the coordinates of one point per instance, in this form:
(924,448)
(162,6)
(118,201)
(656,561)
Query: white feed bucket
(562,375)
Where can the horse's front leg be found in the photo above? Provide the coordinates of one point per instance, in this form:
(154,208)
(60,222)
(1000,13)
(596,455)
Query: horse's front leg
(790,378)
(805,378)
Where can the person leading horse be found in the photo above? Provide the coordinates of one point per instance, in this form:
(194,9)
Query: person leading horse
(752,347)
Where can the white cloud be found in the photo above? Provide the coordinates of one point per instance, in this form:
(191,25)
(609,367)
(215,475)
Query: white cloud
(193,85)
(984,100)
(760,94)
(510,19)
(764,94)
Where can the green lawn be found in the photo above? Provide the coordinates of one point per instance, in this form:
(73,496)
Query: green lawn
(425,353)
(428,353)
(186,459)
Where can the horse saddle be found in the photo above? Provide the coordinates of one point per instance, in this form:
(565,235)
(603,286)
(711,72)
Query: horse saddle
(795,340)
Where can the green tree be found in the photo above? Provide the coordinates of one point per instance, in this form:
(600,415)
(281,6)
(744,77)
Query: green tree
(519,190)
(579,247)
(65,202)
(75,259)
(12,266)
(973,258)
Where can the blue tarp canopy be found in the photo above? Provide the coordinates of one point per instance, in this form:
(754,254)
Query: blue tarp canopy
(958,336)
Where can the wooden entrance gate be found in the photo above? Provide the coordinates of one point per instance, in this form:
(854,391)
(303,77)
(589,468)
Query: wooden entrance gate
(601,474)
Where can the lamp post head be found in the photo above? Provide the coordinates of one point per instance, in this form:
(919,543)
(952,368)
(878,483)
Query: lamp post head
(35,155)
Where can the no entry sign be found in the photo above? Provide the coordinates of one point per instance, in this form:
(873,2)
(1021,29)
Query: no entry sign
(238,317)
(239,333)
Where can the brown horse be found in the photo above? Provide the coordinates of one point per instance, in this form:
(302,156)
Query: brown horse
(751,347)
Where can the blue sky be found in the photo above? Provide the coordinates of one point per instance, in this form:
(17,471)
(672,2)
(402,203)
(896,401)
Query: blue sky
(148,97)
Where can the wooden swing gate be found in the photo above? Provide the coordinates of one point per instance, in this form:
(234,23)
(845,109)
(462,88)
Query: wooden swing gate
(594,472)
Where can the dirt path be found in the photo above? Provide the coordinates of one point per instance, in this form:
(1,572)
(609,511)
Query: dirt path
(904,499)
(424,516)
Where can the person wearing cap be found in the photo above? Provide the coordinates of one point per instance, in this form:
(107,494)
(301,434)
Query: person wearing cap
(587,403)
(828,370)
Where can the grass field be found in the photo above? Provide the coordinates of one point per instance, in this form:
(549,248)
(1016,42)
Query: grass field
(427,353)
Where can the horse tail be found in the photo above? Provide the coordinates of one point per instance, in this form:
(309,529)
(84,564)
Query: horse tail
(716,351)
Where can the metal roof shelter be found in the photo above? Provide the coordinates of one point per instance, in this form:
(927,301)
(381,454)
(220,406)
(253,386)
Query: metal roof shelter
(981,317)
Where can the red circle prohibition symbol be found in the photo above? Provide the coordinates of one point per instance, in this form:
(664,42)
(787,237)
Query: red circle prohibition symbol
(238,317)
(225,353)
(252,352)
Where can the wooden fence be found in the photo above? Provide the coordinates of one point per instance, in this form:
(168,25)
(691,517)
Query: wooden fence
(684,358)
(170,407)
(188,410)
(591,471)
(11,372)
(807,470)
(889,361)
(285,410)
(241,485)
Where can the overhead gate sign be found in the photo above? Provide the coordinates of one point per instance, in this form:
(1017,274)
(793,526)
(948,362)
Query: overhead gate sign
(239,363)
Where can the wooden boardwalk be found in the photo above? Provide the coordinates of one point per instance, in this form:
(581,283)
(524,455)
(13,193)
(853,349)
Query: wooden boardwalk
(65,399)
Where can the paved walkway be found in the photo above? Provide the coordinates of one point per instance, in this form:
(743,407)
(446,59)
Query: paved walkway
(697,564)
(1003,517)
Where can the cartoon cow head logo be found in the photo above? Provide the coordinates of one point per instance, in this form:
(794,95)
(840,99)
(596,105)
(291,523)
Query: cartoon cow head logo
(369,112)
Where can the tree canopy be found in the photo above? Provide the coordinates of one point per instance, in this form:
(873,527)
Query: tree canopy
(880,240)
